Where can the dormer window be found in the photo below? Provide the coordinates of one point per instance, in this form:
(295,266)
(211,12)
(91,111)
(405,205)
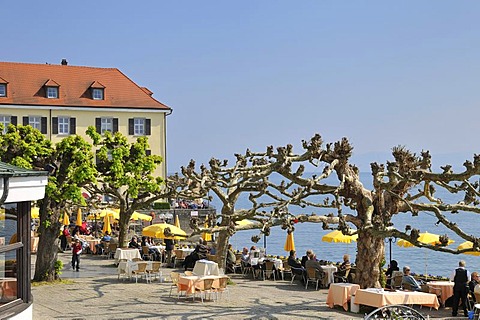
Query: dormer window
(97,94)
(3,90)
(98,91)
(51,89)
(52,92)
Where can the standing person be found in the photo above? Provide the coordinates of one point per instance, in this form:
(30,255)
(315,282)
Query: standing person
(76,251)
(231,259)
(460,278)
(64,237)
(169,246)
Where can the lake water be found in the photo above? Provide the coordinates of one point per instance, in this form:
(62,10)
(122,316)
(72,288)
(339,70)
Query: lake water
(309,236)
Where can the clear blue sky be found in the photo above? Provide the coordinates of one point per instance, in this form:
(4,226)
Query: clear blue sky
(248,74)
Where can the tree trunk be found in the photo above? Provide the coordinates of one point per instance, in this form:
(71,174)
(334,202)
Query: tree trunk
(123,224)
(371,251)
(46,253)
(222,246)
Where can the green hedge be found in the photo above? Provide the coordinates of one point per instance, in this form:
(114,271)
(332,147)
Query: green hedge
(161,205)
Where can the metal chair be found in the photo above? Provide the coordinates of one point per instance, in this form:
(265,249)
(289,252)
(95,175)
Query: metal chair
(312,277)
(146,255)
(269,270)
(204,286)
(222,286)
(141,271)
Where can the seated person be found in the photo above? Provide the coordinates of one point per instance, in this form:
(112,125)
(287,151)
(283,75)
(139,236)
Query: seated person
(134,244)
(200,253)
(410,280)
(99,248)
(230,260)
(306,257)
(297,268)
(313,263)
(245,257)
(389,273)
(152,251)
(475,280)
(343,268)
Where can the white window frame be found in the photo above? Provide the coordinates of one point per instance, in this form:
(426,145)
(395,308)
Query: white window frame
(97,94)
(139,125)
(52,92)
(63,125)
(106,125)
(3,90)
(5,120)
(35,122)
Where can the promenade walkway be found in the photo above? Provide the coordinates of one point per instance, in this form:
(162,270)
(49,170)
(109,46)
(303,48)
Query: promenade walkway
(96,293)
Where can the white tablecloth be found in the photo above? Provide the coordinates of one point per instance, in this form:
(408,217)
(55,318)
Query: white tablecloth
(206,268)
(329,270)
(130,266)
(128,254)
(159,249)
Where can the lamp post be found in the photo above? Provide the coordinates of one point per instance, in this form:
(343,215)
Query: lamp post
(390,240)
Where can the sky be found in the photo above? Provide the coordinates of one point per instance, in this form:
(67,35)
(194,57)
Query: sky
(249,74)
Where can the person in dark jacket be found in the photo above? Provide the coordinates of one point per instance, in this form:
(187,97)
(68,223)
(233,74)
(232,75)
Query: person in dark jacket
(392,267)
(475,280)
(460,278)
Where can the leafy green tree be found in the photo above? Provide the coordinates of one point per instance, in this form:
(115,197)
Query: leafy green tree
(126,174)
(70,163)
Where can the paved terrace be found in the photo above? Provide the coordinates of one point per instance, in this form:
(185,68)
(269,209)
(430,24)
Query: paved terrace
(96,293)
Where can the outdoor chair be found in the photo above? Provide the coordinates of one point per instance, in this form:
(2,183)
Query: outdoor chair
(286,270)
(112,247)
(312,277)
(146,255)
(396,282)
(246,269)
(141,271)
(122,268)
(297,272)
(188,273)
(269,270)
(222,286)
(341,276)
(476,306)
(155,270)
(174,277)
(204,286)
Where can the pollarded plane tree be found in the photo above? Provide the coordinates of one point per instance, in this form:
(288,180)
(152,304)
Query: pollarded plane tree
(405,186)
(70,163)
(268,202)
(126,174)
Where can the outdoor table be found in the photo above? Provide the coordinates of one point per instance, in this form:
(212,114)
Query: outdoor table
(329,270)
(340,294)
(276,262)
(206,268)
(188,283)
(92,243)
(446,289)
(380,298)
(159,248)
(128,254)
(130,266)
(183,252)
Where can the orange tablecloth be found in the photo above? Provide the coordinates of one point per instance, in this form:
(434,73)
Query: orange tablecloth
(377,298)
(446,288)
(188,283)
(9,288)
(340,293)
(92,243)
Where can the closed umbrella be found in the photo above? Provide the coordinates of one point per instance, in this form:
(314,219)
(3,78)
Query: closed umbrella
(106,225)
(426,238)
(468,245)
(79,218)
(177,221)
(206,235)
(66,220)
(165,231)
(35,212)
(289,243)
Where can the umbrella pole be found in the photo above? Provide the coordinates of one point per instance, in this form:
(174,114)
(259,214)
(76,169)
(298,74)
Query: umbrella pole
(265,242)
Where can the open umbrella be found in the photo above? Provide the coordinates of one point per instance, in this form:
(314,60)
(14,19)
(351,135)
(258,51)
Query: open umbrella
(106,225)
(244,222)
(112,213)
(79,218)
(426,238)
(338,236)
(468,245)
(289,243)
(165,231)
(65,220)
(35,212)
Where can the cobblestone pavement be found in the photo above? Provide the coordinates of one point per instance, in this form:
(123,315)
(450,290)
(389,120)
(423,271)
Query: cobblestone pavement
(96,293)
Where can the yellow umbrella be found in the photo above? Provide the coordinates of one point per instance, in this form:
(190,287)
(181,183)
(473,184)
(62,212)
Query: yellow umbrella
(289,243)
(106,224)
(468,245)
(79,218)
(35,212)
(206,235)
(177,221)
(165,231)
(66,220)
(426,238)
(244,222)
(338,236)
(112,213)
(140,216)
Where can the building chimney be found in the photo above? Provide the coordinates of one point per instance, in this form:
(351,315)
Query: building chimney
(64,62)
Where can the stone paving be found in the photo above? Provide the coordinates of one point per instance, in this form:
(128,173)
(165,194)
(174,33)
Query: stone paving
(96,293)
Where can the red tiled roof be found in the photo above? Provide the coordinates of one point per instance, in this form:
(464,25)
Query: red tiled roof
(26,86)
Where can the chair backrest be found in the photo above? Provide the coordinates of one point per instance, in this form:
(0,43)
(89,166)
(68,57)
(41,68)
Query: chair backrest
(145,250)
(156,266)
(222,283)
(477,296)
(188,273)
(174,276)
(141,267)
(112,247)
(397,277)
(269,265)
(311,274)
(286,266)
(137,259)
(207,284)
(407,286)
